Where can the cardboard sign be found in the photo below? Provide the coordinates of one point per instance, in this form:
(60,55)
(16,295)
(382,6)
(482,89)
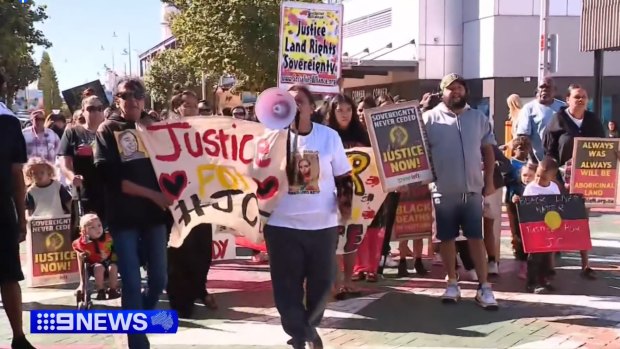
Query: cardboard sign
(367,199)
(554,223)
(310,46)
(398,141)
(217,170)
(414,214)
(594,172)
(73,96)
(51,259)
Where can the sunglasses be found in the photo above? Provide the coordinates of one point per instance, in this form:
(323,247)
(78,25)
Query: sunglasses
(130,94)
(94,108)
(239,113)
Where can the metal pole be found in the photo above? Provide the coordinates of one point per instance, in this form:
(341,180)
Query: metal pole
(204,86)
(543,52)
(598,83)
(129,51)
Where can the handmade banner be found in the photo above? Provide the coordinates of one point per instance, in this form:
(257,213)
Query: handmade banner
(594,172)
(399,144)
(310,46)
(414,216)
(367,199)
(51,259)
(217,170)
(224,248)
(554,223)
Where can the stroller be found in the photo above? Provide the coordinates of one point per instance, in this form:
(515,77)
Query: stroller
(83,299)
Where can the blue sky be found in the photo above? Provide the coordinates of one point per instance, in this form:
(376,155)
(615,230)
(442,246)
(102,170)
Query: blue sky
(79,28)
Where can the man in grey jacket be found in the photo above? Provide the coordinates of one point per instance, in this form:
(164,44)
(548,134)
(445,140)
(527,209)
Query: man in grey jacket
(460,140)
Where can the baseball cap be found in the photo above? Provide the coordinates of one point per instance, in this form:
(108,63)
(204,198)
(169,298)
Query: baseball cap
(449,79)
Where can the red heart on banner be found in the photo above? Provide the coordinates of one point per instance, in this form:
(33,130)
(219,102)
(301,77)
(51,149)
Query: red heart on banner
(173,184)
(267,188)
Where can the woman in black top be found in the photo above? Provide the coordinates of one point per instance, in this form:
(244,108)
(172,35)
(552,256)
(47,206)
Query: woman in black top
(568,123)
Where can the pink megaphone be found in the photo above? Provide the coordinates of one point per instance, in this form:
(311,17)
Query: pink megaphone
(275,108)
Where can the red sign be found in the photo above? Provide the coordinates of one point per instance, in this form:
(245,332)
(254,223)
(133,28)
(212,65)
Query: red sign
(414,218)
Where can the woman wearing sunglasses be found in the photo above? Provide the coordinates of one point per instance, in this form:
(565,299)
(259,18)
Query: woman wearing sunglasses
(76,156)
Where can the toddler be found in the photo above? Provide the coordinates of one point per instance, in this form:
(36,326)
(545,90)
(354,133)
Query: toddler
(95,247)
(539,264)
(45,196)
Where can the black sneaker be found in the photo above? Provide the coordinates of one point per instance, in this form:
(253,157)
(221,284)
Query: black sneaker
(402,269)
(21,343)
(317,342)
(419,267)
(101,295)
(296,345)
(588,273)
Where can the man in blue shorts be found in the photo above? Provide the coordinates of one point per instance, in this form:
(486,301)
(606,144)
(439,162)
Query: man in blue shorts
(461,140)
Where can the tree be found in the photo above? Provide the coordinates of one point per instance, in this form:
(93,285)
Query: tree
(168,68)
(18,36)
(48,83)
(237,37)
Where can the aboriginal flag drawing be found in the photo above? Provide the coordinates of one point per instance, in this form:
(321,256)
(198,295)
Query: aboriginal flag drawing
(554,223)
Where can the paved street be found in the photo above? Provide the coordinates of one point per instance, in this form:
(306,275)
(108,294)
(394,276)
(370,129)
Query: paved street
(395,313)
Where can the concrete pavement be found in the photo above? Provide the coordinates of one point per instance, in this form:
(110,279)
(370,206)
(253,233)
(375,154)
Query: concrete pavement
(394,313)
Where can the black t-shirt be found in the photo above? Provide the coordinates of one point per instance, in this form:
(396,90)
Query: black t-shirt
(78,143)
(120,155)
(12,151)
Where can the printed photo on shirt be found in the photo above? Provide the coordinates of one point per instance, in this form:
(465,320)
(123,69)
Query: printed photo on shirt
(307,174)
(130,146)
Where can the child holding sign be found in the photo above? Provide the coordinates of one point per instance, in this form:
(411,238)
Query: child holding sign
(45,197)
(539,264)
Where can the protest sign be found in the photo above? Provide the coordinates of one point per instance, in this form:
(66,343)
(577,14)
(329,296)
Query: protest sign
(414,214)
(217,170)
(51,259)
(73,96)
(367,199)
(554,223)
(310,46)
(224,248)
(594,172)
(400,147)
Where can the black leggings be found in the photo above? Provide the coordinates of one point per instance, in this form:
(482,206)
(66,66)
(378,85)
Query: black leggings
(388,210)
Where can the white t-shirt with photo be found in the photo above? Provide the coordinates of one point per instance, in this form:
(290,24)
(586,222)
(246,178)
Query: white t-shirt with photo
(311,203)
(534,189)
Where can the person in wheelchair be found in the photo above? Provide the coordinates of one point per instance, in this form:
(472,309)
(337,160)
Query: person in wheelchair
(94,250)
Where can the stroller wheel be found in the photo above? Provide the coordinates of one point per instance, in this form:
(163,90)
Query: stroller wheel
(81,306)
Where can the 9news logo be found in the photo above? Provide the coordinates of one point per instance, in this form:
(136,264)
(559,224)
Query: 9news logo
(103,321)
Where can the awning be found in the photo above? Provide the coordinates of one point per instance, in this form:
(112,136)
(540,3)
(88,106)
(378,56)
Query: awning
(600,25)
(359,69)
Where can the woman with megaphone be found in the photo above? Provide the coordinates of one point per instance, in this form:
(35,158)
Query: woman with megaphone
(301,234)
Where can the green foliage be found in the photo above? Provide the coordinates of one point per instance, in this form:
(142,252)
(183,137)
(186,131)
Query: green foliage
(48,83)
(168,68)
(237,37)
(18,36)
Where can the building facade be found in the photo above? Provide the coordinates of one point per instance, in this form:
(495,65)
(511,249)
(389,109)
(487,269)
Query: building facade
(492,43)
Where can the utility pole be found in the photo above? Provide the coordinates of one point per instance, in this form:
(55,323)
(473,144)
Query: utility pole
(129,51)
(543,53)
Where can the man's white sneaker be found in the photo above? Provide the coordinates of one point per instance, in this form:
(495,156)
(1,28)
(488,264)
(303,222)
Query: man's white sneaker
(472,275)
(493,268)
(452,294)
(485,297)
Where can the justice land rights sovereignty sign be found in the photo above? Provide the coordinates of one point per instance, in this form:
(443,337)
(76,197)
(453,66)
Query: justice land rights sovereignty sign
(594,172)
(51,259)
(399,144)
(310,46)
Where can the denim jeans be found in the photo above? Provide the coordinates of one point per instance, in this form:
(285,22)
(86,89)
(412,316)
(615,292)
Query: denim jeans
(127,242)
(296,256)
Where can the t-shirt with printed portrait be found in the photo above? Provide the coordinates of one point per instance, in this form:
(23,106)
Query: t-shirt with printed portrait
(310,202)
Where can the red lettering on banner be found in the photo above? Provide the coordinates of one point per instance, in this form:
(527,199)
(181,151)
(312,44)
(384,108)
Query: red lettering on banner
(173,138)
(214,143)
(219,248)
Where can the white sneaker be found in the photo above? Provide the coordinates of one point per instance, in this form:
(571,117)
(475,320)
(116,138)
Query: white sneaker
(472,275)
(389,262)
(452,294)
(485,297)
(493,268)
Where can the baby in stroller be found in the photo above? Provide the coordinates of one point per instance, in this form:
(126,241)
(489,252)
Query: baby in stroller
(94,248)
